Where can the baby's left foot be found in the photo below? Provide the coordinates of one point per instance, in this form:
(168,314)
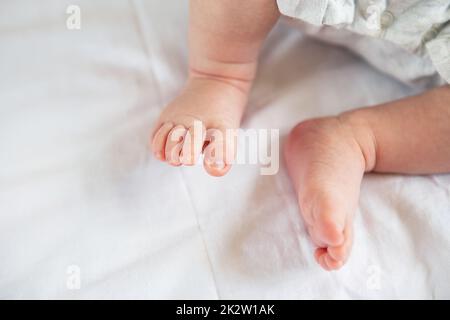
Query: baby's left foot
(202,119)
(326,163)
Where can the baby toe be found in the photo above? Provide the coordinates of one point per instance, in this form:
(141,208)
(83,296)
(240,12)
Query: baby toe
(214,161)
(319,255)
(325,260)
(193,144)
(174,145)
(341,253)
(219,153)
(216,169)
(159,140)
(331,263)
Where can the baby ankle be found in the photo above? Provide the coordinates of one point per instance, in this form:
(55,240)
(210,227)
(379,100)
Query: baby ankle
(363,134)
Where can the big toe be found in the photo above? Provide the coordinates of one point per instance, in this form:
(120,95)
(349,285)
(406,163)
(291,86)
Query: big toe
(219,152)
(333,258)
(193,144)
(326,261)
(216,169)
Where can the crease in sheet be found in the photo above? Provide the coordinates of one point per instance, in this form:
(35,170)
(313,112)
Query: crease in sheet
(141,26)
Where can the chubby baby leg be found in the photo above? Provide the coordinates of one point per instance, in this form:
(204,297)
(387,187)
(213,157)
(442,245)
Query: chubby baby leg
(225,37)
(328,157)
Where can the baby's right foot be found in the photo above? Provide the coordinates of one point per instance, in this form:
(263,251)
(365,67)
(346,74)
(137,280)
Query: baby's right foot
(326,159)
(198,121)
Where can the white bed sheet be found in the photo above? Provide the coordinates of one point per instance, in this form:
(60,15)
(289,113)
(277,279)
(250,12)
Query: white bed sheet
(79,191)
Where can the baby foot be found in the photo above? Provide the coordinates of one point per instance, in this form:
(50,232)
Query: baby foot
(326,163)
(197,121)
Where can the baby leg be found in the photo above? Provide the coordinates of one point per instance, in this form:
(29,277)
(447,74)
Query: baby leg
(224,41)
(327,158)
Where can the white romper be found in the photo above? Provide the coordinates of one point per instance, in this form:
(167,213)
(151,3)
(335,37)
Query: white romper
(408,39)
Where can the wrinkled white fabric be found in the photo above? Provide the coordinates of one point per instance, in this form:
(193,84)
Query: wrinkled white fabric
(80,194)
(401,32)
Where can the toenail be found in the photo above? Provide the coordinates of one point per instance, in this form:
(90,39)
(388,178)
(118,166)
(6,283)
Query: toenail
(218,165)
